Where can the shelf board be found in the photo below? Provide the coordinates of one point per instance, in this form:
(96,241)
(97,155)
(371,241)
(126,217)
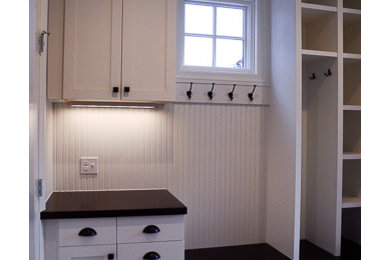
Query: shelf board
(351,202)
(319,53)
(352,108)
(352,56)
(309,56)
(352,156)
(352,11)
(319,7)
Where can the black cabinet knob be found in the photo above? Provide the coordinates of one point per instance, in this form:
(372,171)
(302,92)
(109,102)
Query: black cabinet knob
(115,89)
(110,256)
(126,89)
(151,229)
(151,255)
(87,232)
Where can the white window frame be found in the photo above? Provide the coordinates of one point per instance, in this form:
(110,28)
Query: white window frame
(251,68)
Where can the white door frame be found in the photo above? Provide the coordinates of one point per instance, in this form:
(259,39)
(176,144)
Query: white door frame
(37,126)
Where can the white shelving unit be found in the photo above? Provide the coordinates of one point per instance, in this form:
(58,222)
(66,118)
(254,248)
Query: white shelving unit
(316,49)
(331,111)
(351,131)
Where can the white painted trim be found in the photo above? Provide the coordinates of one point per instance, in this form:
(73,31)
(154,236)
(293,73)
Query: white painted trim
(351,11)
(298,134)
(352,56)
(319,7)
(352,156)
(319,53)
(340,136)
(351,202)
(38,22)
(42,101)
(352,108)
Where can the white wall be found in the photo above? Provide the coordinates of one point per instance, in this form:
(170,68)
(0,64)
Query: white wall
(210,156)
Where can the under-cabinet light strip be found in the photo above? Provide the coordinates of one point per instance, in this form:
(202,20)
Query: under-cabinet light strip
(111,106)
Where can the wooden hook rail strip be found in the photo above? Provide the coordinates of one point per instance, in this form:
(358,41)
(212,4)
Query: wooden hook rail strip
(218,84)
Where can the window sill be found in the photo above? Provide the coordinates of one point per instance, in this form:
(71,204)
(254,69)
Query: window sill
(221,77)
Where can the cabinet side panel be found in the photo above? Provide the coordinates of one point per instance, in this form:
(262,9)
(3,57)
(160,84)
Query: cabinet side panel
(55,50)
(50,234)
(284,145)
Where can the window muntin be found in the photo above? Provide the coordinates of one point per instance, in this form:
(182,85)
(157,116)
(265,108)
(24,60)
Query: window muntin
(215,35)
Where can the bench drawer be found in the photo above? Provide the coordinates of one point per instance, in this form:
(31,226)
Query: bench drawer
(150,229)
(157,250)
(88,231)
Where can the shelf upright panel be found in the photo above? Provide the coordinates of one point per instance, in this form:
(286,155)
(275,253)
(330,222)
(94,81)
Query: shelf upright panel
(350,58)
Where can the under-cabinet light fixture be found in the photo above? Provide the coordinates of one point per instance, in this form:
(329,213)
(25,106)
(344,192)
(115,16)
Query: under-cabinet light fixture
(93,104)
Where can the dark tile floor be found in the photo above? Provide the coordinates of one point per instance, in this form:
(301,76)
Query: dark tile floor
(349,251)
(259,251)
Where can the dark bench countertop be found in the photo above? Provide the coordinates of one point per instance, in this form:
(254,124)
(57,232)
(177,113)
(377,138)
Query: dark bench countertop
(116,203)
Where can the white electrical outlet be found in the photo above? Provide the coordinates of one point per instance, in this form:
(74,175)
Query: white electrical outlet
(88,165)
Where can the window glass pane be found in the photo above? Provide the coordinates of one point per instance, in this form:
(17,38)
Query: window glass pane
(229,53)
(230,21)
(198,51)
(198,19)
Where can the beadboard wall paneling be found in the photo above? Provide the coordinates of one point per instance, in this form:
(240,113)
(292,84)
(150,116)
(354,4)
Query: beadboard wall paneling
(210,156)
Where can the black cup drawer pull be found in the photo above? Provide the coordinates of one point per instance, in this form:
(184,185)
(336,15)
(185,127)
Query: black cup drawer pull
(151,255)
(115,89)
(110,256)
(151,229)
(87,232)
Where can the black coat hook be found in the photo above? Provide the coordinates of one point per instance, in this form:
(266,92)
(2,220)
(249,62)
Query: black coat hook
(210,93)
(250,95)
(189,92)
(230,94)
(313,76)
(328,73)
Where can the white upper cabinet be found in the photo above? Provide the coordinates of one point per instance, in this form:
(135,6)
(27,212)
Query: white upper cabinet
(113,50)
(92,49)
(148,49)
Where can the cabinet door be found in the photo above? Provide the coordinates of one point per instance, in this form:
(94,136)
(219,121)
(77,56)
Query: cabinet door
(148,50)
(92,49)
(106,252)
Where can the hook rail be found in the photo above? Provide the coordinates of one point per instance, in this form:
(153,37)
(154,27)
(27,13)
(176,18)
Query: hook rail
(231,95)
(217,84)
